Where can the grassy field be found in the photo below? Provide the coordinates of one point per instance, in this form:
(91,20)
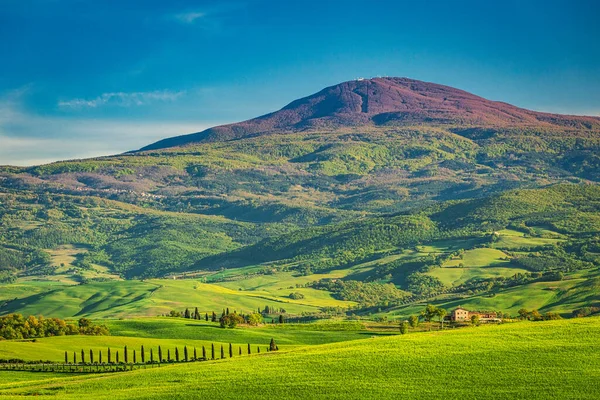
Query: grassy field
(171,332)
(475,263)
(542,360)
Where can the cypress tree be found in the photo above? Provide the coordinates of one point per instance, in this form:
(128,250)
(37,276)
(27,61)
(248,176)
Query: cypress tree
(222,352)
(143,353)
(272,345)
(227,312)
(125,353)
(206,317)
(134,359)
(213,350)
(74,358)
(177,354)
(195,354)
(117,356)
(196,314)
(223,313)
(249,351)
(168,355)
(100,356)
(91,356)
(240,350)
(258,349)
(185,353)
(203,353)
(281,318)
(230,351)
(82,356)
(109,359)
(151,355)
(159,354)
(186,314)
(66,358)
(214,317)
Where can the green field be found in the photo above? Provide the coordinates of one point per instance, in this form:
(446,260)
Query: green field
(541,360)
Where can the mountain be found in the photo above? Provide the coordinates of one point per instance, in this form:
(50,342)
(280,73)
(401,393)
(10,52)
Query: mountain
(384,102)
(397,190)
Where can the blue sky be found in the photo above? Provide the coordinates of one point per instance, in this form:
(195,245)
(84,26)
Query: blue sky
(80,78)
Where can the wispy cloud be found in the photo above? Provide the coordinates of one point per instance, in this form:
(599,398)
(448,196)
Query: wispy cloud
(122,99)
(27,138)
(190,17)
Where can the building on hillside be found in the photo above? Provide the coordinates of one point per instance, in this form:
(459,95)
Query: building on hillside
(460,314)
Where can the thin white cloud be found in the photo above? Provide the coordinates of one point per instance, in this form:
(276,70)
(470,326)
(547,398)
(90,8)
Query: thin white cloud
(122,99)
(30,139)
(189,17)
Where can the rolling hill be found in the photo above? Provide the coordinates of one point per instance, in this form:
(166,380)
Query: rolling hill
(372,194)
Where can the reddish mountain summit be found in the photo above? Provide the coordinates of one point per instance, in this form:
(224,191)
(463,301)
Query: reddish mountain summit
(380,102)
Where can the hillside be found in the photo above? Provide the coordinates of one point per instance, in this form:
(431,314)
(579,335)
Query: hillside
(561,360)
(407,191)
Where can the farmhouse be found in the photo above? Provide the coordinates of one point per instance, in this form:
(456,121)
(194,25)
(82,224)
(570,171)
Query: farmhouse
(460,314)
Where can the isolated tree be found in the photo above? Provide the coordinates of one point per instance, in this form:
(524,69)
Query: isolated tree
(413,321)
(230,351)
(441,313)
(258,349)
(404,327)
(523,314)
(143,354)
(125,354)
(535,315)
(240,350)
(66,358)
(272,345)
(249,350)
(255,319)
(475,319)
(186,314)
(160,356)
(428,314)
(212,351)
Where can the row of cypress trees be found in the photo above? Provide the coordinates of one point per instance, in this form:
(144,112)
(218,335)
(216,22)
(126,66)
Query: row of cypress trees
(178,357)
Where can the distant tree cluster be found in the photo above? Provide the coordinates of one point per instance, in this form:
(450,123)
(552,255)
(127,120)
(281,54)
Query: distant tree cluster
(535,315)
(16,326)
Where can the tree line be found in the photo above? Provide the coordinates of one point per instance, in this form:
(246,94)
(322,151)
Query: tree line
(16,326)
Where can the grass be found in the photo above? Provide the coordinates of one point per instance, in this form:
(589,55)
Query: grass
(288,334)
(475,263)
(116,299)
(554,359)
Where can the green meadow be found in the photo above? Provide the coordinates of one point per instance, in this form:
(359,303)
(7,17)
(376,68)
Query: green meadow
(532,360)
